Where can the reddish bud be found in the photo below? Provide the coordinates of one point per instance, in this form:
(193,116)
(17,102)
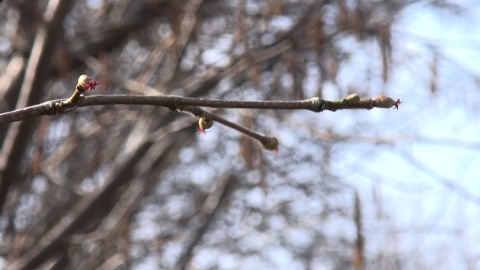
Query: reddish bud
(91,85)
(86,83)
(397,103)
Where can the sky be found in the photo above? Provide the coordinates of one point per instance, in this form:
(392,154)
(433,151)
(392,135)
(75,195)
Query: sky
(435,216)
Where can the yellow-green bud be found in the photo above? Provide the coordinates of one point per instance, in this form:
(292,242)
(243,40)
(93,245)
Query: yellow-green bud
(204,124)
(271,144)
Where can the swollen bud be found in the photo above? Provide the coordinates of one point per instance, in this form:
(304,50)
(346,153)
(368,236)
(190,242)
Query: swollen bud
(86,83)
(204,124)
(352,99)
(84,79)
(384,102)
(271,144)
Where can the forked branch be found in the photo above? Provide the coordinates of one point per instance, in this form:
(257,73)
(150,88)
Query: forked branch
(193,105)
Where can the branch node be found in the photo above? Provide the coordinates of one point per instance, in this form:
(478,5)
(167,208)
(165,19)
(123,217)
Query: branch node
(371,104)
(318,105)
(64,106)
(52,108)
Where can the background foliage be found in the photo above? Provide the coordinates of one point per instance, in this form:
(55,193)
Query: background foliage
(117,187)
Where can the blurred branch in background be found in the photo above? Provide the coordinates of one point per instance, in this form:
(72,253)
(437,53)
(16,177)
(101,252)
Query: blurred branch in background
(37,70)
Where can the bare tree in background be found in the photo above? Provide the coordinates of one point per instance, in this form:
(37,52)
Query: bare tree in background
(118,187)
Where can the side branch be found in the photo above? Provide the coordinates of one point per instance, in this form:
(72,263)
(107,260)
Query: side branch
(178,103)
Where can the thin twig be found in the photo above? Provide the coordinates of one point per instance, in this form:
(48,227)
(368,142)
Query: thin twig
(261,138)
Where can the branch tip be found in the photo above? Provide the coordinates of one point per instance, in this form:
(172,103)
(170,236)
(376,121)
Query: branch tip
(384,102)
(397,103)
(271,143)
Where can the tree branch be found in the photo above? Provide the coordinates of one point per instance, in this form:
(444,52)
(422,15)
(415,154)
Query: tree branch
(192,105)
(315,104)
